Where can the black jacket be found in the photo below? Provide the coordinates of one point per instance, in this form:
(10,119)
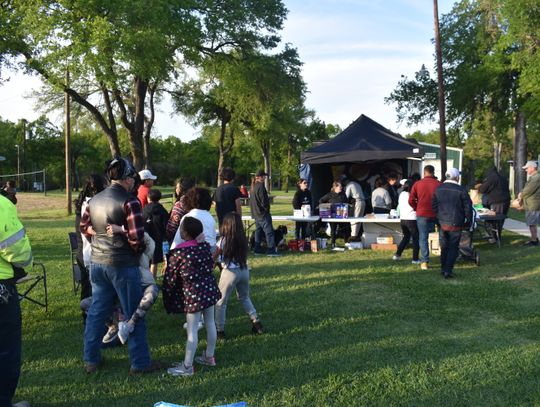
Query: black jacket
(495,188)
(302,198)
(259,202)
(452,205)
(332,197)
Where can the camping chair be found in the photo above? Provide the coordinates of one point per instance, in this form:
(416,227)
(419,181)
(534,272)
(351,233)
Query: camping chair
(30,281)
(75,268)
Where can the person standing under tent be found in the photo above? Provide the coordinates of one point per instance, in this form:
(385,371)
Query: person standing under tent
(353,191)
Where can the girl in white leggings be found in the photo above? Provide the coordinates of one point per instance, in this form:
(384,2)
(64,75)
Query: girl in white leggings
(189,287)
(231,252)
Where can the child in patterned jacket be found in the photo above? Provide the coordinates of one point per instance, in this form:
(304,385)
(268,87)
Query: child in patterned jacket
(189,287)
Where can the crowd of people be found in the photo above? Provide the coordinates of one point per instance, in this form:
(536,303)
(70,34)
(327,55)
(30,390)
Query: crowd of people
(126,233)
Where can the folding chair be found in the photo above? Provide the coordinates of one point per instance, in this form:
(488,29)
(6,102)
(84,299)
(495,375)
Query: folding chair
(75,268)
(30,281)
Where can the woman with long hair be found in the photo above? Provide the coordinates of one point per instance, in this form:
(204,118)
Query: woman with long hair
(183,185)
(231,253)
(94,183)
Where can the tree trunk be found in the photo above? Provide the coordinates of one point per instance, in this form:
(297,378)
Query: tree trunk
(520,151)
(497,151)
(224,149)
(149,122)
(289,163)
(265,147)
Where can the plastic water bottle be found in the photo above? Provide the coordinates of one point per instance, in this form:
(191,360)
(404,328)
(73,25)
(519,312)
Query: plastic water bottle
(165,247)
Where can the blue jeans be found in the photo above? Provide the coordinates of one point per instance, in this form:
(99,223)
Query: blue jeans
(449,242)
(425,227)
(263,227)
(109,282)
(10,347)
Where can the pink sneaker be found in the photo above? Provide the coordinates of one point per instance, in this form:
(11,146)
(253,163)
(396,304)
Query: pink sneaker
(206,360)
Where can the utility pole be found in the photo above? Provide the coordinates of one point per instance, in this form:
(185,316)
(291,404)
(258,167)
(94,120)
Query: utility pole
(67,132)
(442,117)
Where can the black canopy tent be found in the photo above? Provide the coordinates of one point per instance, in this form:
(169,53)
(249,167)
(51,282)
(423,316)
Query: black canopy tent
(364,141)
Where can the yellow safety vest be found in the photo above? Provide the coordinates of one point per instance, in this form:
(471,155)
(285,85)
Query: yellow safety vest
(15,247)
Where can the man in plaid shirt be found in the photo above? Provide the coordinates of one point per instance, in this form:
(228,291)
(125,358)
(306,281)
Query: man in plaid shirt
(114,267)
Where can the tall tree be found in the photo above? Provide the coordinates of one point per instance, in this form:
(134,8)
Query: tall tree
(119,53)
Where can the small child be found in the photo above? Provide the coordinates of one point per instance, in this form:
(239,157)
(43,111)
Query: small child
(231,252)
(155,223)
(189,287)
(150,292)
(122,329)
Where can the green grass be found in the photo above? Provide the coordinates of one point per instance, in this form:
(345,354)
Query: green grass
(344,329)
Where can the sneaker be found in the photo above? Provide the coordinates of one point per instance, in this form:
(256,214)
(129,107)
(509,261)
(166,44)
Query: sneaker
(531,243)
(111,334)
(124,330)
(181,370)
(273,254)
(395,257)
(221,335)
(201,325)
(424,265)
(154,366)
(416,262)
(205,360)
(21,404)
(448,275)
(257,328)
(92,367)
(257,253)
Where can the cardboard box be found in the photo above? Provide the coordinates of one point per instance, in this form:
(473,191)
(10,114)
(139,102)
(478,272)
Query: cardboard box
(325,210)
(376,246)
(315,247)
(385,240)
(434,245)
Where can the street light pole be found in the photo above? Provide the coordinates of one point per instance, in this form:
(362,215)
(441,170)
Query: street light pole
(442,108)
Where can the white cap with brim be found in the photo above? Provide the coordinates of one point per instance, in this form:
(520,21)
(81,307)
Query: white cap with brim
(452,173)
(530,164)
(146,174)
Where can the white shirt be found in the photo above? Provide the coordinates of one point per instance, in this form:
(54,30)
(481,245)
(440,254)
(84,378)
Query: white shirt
(406,212)
(209,227)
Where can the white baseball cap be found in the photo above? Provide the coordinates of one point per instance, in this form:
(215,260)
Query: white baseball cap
(403,181)
(530,164)
(146,174)
(452,173)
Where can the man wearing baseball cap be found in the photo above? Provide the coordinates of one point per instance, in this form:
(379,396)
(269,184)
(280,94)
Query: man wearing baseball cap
(147,182)
(260,211)
(453,207)
(531,200)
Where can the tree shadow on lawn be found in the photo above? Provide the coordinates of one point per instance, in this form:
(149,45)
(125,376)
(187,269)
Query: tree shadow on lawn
(319,322)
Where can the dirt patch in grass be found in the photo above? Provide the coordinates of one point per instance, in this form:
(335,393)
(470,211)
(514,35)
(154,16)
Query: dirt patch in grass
(28,202)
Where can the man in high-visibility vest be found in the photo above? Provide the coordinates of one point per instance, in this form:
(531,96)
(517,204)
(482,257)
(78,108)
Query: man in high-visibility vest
(15,260)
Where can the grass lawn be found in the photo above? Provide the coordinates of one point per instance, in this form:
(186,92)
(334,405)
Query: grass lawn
(343,329)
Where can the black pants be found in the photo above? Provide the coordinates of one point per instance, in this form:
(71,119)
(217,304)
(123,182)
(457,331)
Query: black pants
(449,242)
(301,230)
(494,227)
(409,229)
(10,347)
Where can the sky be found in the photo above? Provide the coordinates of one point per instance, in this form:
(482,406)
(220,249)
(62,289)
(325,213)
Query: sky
(354,53)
